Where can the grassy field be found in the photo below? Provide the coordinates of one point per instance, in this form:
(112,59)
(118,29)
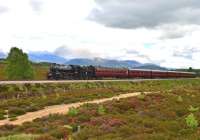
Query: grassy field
(2,74)
(19,137)
(22,98)
(172,114)
(40,71)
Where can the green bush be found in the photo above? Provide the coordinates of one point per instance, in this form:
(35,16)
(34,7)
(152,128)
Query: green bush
(73,112)
(2,116)
(16,111)
(191,121)
(101,110)
(179,99)
(193,109)
(13,119)
(141,96)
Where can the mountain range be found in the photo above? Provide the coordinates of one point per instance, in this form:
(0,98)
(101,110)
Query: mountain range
(104,62)
(46,57)
(2,55)
(53,58)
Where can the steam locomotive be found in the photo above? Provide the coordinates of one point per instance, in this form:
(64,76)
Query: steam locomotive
(76,72)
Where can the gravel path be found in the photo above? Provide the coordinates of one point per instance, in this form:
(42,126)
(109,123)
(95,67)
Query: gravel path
(60,109)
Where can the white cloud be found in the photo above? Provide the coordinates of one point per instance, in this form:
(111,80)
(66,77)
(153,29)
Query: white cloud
(68,52)
(44,25)
(142,13)
(36,5)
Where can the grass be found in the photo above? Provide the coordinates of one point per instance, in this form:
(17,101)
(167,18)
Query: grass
(158,116)
(101,110)
(40,71)
(22,98)
(73,112)
(19,137)
(191,121)
(2,74)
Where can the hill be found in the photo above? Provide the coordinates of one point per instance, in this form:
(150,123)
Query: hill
(104,62)
(53,58)
(151,66)
(46,57)
(2,55)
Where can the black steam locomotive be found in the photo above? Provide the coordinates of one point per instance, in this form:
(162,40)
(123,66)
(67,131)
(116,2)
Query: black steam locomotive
(76,72)
(71,72)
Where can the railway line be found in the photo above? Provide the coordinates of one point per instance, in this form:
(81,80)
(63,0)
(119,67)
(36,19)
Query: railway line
(82,81)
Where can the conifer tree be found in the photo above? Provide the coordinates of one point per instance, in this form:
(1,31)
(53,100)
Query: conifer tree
(18,65)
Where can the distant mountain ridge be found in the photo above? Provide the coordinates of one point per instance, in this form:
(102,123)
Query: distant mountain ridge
(151,66)
(104,62)
(46,57)
(2,55)
(53,58)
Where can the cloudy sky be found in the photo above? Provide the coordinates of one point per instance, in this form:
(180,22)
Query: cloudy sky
(164,32)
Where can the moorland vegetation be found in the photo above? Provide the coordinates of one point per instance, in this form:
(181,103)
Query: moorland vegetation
(172,113)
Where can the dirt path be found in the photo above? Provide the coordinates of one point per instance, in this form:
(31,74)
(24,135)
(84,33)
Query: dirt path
(60,109)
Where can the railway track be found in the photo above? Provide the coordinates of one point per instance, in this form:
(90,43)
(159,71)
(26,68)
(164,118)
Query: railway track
(81,81)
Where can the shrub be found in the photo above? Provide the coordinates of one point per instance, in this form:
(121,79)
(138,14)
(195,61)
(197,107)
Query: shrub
(141,97)
(193,109)
(180,111)
(73,112)
(45,137)
(59,133)
(13,119)
(191,121)
(179,99)
(101,110)
(19,137)
(2,116)
(84,117)
(75,127)
(16,111)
